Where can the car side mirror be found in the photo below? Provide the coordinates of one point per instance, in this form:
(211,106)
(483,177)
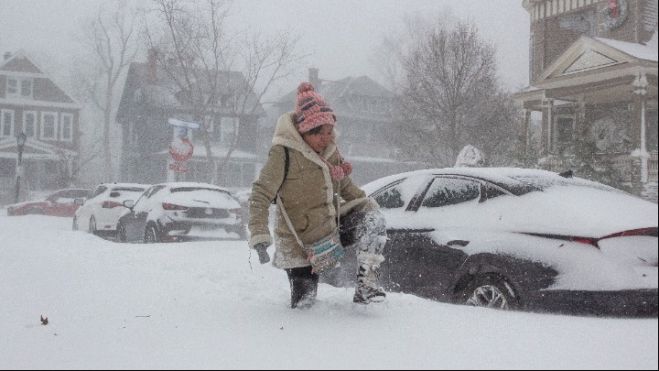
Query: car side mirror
(129,204)
(79,201)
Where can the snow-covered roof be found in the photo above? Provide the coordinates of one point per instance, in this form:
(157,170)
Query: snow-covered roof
(640,51)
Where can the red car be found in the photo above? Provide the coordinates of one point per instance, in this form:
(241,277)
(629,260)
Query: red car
(61,203)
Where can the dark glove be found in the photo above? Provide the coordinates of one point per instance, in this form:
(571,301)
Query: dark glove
(262,250)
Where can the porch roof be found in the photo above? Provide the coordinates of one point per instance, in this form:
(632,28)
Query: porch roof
(595,69)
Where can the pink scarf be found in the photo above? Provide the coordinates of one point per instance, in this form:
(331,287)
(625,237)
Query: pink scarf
(339,172)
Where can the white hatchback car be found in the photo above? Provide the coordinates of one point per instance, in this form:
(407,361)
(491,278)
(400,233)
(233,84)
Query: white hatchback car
(101,212)
(173,212)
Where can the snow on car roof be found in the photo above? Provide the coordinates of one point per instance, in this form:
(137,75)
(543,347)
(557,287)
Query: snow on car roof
(194,185)
(503,176)
(129,185)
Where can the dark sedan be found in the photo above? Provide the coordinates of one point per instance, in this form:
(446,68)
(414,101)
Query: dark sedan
(516,239)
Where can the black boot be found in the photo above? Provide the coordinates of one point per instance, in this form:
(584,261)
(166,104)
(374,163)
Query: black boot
(304,287)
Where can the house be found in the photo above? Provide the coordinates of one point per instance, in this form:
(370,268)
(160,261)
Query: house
(363,111)
(593,72)
(151,98)
(32,103)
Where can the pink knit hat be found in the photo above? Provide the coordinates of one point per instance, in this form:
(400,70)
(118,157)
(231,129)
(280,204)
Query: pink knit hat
(311,111)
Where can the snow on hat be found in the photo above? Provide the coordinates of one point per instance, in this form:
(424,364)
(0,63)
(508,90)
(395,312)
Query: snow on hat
(311,111)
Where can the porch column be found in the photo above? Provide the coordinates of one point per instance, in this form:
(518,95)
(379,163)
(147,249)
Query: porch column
(581,125)
(640,85)
(523,139)
(547,125)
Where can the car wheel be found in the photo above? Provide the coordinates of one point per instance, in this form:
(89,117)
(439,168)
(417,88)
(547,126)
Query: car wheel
(92,226)
(75,224)
(121,233)
(490,291)
(151,235)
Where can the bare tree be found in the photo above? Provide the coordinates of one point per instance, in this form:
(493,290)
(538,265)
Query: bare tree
(110,39)
(214,69)
(449,96)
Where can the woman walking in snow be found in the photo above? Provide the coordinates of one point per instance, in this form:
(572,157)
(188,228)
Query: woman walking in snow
(307,175)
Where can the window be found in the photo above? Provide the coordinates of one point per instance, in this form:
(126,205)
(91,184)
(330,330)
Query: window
(6,123)
(564,129)
(12,87)
(651,123)
(451,191)
(66,127)
(99,190)
(26,88)
(228,126)
(30,123)
(19,87)
(391,198)
(49,125)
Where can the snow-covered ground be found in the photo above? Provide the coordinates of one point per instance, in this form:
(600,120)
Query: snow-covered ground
(203,305)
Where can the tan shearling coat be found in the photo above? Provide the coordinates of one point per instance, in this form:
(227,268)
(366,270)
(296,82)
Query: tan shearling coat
(307,194)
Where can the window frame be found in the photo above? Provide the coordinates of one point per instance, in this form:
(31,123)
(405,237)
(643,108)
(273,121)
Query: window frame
(61,127)
(35,125)
(17,92)
(387,188)
(42,135)
(22,81)
(12,124)
(479,199)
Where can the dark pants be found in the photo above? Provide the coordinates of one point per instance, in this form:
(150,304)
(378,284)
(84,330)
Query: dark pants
(360,231)
(304,286)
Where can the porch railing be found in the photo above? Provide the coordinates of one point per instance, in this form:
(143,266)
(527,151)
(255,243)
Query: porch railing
(652,167)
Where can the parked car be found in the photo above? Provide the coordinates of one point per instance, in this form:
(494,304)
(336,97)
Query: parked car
(101,212)
(173,212)
(60,203)
(516,239)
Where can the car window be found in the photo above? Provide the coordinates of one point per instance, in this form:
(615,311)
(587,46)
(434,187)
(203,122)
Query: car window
(492,192)
(391,197)
(153,191)
(451,191)
(99,190)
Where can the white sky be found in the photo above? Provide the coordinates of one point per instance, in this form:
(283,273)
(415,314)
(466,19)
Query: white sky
(339,35)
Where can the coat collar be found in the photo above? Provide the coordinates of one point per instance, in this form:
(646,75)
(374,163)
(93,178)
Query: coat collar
(287,135)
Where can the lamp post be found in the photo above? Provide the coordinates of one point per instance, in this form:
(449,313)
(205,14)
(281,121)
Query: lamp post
(20,142)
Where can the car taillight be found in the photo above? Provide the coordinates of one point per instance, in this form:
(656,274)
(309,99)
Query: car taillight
(585,240)
(172,207)
(651,232)
(111,204)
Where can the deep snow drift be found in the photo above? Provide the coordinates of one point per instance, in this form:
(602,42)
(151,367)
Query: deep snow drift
(202,305)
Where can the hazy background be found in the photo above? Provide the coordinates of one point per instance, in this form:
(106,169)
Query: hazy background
(339,36)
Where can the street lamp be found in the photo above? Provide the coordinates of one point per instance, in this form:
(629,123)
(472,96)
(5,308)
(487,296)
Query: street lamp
(20,144)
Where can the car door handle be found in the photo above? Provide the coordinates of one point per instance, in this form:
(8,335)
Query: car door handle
(461,243)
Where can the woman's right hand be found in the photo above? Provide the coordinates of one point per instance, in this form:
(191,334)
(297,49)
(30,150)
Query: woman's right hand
(262,250)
